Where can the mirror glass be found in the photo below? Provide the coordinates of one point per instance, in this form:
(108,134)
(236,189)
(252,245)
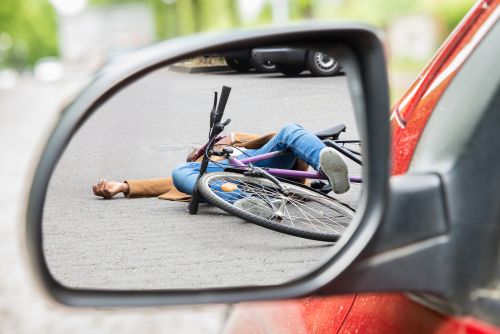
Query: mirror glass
(142,236)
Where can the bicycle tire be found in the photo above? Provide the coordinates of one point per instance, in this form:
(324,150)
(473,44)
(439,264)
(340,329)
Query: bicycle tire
(330,232)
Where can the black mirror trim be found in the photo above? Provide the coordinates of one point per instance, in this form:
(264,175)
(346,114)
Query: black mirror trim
(415,230)
(370,92)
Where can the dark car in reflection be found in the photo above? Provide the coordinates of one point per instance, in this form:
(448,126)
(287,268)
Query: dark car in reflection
(292,61)
(289,61)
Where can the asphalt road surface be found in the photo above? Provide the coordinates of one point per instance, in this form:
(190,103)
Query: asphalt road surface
(144,132)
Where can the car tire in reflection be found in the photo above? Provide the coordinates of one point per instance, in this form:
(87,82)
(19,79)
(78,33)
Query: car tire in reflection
(322,65)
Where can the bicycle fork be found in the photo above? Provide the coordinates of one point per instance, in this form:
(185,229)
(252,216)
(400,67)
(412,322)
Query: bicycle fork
(259,172)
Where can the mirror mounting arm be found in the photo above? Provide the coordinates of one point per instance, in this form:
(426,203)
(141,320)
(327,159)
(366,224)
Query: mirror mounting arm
(397,258)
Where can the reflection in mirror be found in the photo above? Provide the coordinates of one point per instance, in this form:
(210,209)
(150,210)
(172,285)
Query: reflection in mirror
(117,208)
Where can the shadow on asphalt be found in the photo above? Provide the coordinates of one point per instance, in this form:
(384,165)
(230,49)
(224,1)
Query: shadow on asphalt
(267,75)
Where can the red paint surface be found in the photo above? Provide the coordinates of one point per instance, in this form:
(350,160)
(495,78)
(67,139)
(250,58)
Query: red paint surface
(309,315)
(383,313)
(396,313)
(371,313)
(417,104)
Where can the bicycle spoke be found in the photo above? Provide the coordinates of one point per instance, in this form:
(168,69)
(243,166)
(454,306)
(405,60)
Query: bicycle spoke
(310,215)
(321,212)
(292,208)
(307,213)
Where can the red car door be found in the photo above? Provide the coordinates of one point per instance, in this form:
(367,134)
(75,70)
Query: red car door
(385,313)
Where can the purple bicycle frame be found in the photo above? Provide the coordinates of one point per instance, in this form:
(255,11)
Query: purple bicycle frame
(237,163)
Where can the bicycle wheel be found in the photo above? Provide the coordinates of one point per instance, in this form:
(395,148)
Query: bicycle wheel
(299,211)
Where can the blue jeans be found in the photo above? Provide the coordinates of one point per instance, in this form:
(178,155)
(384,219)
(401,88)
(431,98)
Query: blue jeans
(302,144)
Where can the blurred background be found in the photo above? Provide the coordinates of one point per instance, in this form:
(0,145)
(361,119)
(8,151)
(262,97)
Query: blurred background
(49,50)
(65,39)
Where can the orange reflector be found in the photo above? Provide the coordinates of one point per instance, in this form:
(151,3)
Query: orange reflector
(228,187)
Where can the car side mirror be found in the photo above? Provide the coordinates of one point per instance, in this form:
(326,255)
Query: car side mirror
(358,50)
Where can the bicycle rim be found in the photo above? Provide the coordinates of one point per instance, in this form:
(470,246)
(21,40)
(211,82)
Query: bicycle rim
(298,210)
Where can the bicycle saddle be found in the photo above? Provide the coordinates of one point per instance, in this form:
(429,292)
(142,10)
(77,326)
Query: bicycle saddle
(332,132)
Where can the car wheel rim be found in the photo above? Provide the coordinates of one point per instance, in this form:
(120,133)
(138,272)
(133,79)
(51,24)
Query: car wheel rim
(324,62)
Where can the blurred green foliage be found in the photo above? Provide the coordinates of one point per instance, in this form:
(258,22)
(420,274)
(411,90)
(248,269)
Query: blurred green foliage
(381,12)
(29,30)
(448,12)
(32,25)
(182,17)
(376,12)
(111,2)
(302,9)
(265,16)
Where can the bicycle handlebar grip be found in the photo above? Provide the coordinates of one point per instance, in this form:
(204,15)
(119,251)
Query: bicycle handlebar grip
(224,96)
(212,113)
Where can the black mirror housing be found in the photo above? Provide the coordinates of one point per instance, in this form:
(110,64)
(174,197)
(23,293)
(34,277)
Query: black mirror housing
(362,54)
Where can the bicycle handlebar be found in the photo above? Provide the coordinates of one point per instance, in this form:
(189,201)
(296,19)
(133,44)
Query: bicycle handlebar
(215,128)
(224,96)
(212,113)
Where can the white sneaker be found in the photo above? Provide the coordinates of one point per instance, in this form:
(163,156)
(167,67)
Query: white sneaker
(334,167)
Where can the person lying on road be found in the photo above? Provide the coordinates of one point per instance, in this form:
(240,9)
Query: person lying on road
(306,150)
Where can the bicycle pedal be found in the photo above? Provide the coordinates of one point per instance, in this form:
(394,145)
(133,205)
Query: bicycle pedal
(317,184)
(321,186)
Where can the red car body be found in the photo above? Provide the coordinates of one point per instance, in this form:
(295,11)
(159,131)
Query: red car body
(385,313)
